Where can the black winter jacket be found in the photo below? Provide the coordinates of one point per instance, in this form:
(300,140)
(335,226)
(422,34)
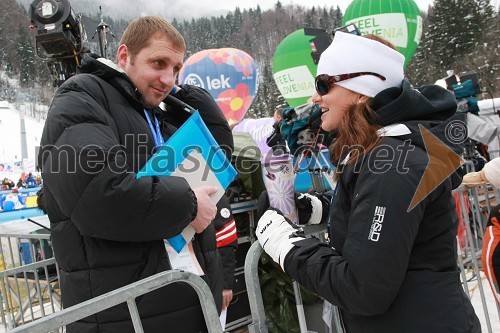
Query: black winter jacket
(107,226)
(389,269)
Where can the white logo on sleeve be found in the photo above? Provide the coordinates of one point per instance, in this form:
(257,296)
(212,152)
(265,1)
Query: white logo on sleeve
(224,212)
(376,227)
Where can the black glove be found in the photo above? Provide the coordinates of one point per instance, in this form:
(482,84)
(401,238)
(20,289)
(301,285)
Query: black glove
(313,209)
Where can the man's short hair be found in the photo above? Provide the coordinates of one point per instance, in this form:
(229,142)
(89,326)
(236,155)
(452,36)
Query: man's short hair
(139,32)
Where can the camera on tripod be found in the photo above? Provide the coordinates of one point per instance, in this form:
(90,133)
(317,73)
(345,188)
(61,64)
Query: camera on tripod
(465,87)
(59,36)
(321,39)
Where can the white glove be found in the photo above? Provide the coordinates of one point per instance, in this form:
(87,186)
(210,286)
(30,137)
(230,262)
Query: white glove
(317,208)
(491,172)
(276,235)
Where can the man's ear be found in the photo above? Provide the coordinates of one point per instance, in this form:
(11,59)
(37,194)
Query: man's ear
(362,99)
(122,55)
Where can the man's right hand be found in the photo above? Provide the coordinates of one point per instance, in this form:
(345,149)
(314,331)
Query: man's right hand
(206,208)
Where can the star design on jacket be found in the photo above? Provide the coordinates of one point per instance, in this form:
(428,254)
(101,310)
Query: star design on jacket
(442,163)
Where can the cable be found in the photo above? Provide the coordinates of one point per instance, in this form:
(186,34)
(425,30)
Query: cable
(492,101)
(38,224)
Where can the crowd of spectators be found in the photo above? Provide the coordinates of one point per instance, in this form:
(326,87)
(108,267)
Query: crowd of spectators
(25,181)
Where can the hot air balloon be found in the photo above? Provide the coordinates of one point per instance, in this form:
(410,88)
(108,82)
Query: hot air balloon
(228,74)
(398,21)
(294,69)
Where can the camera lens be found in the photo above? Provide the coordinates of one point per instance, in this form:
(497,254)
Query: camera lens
(49,11)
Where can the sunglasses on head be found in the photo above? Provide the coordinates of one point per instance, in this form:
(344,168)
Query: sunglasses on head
(323,82)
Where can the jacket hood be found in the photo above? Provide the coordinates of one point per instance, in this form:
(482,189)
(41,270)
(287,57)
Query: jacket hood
(405,103)
(105,69)
(110,72)
(431,107)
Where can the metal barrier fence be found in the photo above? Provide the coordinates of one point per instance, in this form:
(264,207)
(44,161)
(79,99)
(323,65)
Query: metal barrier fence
(474,207)
(128,294)
(22,249)
(29,282)
(30,295)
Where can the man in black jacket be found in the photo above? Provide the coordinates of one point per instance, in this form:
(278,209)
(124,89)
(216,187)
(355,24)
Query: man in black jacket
(108,228)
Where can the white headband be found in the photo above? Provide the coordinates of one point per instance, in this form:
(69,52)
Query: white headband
(349,53)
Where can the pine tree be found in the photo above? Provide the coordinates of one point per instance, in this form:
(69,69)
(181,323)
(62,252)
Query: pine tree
(324,21)
(337,17)
(441,34)
(485,57)
(237,21)
(247,43)
(26,56)
(309,21)
(448,43)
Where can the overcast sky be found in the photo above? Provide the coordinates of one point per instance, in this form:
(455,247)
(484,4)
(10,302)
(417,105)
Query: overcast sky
(189,9)
(265,4)
(343,4)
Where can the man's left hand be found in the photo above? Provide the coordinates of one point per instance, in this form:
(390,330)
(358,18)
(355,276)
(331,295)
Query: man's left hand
(227,296)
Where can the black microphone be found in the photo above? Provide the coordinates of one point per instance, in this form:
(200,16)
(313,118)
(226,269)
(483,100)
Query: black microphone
(178,103)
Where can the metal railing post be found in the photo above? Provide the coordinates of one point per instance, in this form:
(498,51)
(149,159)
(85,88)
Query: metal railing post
(258,324)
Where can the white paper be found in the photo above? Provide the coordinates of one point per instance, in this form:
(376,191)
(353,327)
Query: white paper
(188,233)
(184,260)
(223,316)
(328,313)
(197,173)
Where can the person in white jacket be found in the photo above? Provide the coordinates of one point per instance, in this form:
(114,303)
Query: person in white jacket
(489,174)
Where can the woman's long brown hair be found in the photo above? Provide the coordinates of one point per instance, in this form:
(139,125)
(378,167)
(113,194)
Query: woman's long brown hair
(357,132)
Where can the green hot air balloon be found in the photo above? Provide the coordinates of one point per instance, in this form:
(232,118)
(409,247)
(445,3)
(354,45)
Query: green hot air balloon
(294,69)
(398,21)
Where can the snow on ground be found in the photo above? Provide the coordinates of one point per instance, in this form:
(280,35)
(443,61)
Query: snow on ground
(477,303)
(10,133)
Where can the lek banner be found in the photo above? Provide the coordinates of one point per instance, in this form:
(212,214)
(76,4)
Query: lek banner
(228,74)
(191,153)
(398,21)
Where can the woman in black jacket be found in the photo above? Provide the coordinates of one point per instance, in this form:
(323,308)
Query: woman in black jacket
(391,265)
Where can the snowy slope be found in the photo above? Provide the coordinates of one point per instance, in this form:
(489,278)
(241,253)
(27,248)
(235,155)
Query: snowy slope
(10,133)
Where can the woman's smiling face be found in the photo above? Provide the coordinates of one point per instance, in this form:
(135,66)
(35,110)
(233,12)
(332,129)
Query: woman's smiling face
(334,104)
